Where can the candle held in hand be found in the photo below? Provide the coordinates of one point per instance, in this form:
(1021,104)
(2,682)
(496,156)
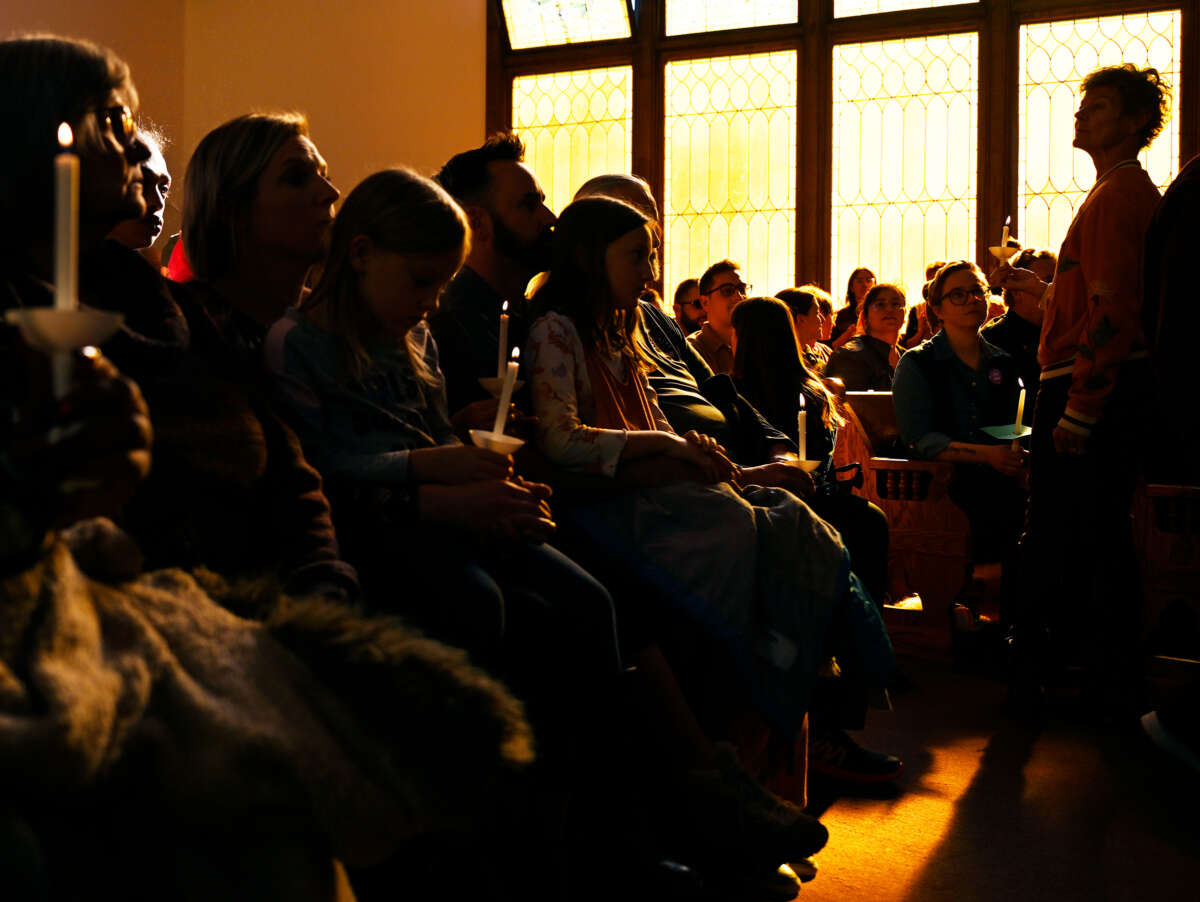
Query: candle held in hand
(502,352)
(1004,234)
(802,431)
(1016,442)
(66,222)
(510,379)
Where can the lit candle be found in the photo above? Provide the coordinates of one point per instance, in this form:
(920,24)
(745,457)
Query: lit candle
(502,353)
(1004,234)
(66,221)
(1016,442)
(510,379)
(802,431)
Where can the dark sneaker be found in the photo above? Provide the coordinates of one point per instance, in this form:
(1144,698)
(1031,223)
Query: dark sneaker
(833,754)
(724,819)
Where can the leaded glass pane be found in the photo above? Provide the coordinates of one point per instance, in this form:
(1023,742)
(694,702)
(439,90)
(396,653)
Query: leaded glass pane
(1052,176)
(689,16)
(575,125)
(842,8)
(729,187)
(904,156)
(540,23)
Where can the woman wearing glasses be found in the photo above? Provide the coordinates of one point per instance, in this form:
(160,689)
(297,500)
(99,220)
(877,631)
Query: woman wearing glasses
(867,362)
(946,390)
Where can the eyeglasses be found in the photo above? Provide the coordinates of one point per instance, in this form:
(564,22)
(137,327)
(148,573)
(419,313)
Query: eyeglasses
(696,303)
(959,296)
(120,120)
(731,289)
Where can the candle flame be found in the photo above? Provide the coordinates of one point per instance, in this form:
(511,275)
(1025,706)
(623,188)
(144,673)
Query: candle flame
(1008,220)
(802,401)
(504,307)
(1020,382)
(66,137)
(516,353)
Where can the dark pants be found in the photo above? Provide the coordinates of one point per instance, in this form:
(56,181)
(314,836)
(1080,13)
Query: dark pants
(1080,575)
(842,703)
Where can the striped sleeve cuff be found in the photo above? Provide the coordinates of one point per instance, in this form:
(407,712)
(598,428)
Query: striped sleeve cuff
(1079,423)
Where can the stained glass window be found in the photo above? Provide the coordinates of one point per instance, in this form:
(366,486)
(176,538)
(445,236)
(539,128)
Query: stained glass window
(843,8)
(904,155)
(688,16)
(575,125)
(1052,176)
(538,23)
(729,186)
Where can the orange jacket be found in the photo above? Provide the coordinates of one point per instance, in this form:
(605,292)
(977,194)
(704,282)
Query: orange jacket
(1093,310)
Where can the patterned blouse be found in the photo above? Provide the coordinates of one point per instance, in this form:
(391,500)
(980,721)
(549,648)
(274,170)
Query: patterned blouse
(564,402)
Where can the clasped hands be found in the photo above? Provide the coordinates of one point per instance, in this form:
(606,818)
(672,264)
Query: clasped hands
(475,490)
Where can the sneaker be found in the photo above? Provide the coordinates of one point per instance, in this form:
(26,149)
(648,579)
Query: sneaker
(725,819)
(805,869)
(833,754)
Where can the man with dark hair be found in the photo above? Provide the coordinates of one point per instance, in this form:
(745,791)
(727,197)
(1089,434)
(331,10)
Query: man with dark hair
(511,231)
(1081,568)
(689,311)
(1019,329)
(721,289)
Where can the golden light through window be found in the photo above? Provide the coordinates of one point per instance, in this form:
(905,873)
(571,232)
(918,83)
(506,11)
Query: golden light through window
(575,125)
(729,187)
(842,8)
(540,23)
(904,156)
(1052,176)
(688,16)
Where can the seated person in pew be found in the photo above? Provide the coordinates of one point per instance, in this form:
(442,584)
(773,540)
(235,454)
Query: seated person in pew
(772,374)
(808,322)
(945,391)
(750,566)
(868,361)
(690,395)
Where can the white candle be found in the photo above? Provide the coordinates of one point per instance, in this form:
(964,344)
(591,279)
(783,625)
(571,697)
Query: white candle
(510,379)
(1016,442)
(502,352)
(802,431)
(1004,234)
(66,222)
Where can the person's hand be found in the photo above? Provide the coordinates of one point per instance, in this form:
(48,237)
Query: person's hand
(482,415)
(781,475)
(1006,276)
(457,464)
(92,447)
(715,460)
(1007,460)
(1068,442)
(502,509)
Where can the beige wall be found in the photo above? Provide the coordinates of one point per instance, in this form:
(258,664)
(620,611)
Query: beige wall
(147,34)
(382,81)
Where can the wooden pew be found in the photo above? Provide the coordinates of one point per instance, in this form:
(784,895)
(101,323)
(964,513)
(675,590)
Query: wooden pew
(929,552)
(1166,522)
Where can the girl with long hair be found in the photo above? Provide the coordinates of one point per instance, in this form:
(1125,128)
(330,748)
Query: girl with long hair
(847,323)
(807,305)
(360,374)
(752,566)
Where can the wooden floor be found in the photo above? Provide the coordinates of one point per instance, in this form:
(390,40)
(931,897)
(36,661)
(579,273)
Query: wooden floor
(991,810)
